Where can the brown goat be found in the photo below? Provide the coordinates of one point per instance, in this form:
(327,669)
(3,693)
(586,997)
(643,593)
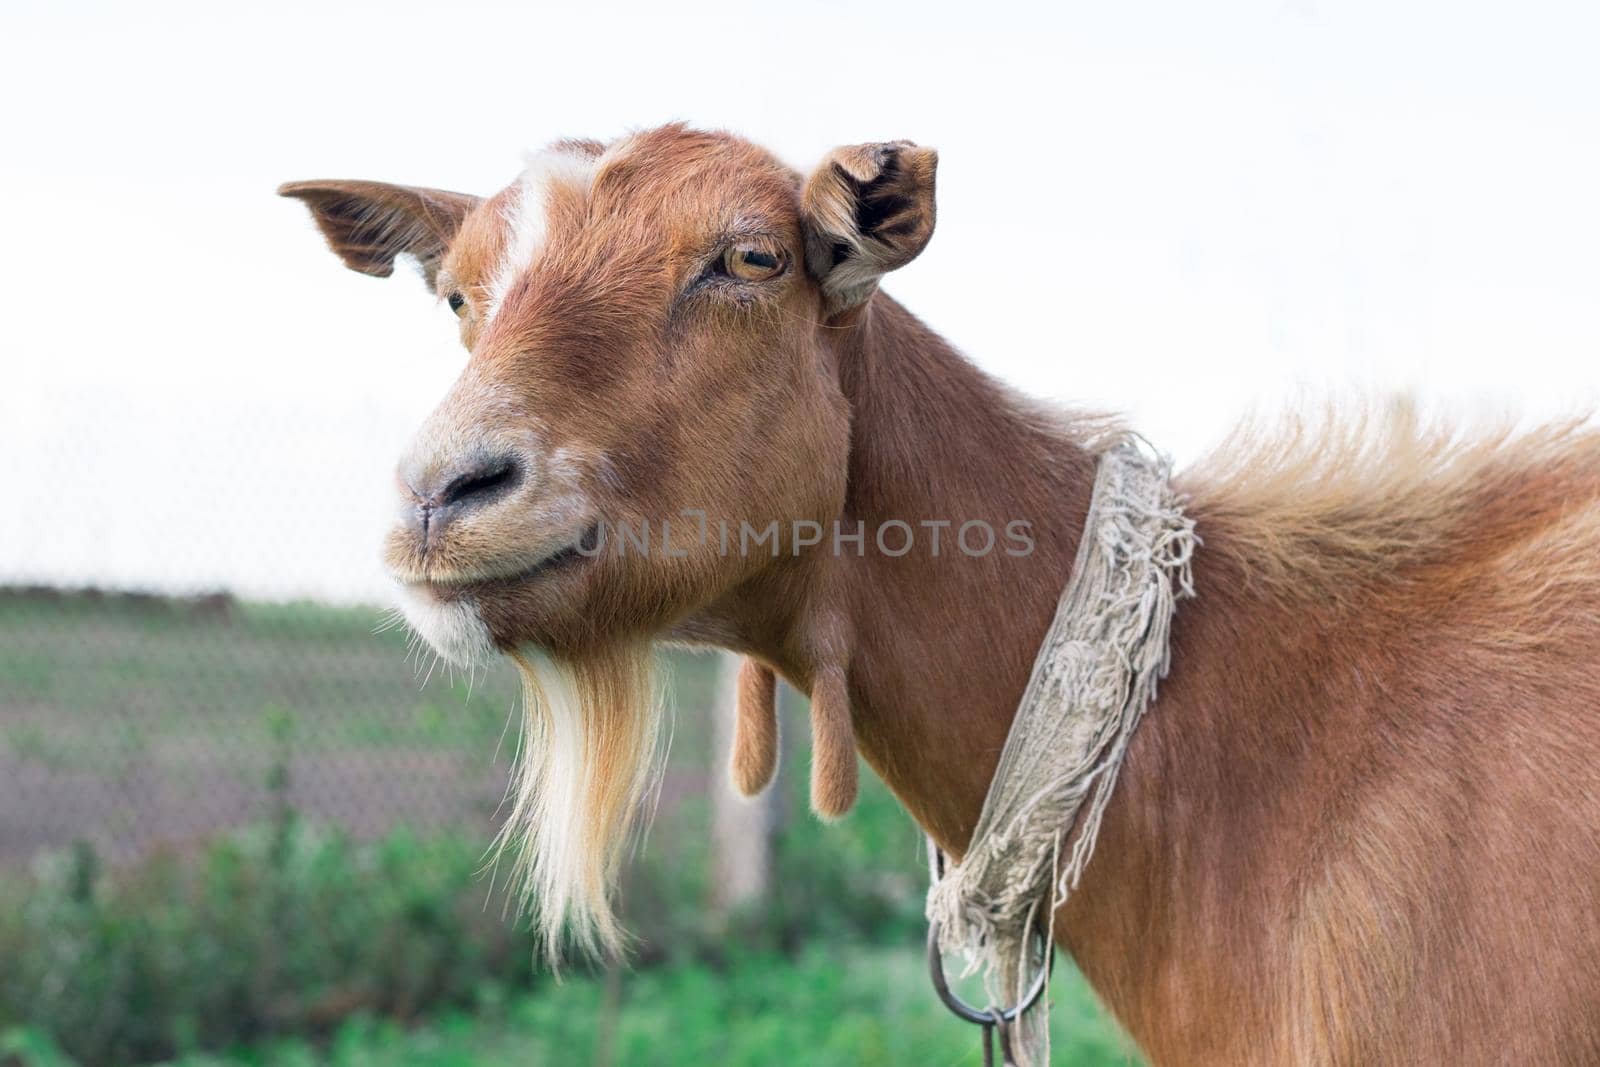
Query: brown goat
(1361,825)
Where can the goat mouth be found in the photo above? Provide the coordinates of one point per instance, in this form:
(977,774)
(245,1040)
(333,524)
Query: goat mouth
(567,558)
(561,560)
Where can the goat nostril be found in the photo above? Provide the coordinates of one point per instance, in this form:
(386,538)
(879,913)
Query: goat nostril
(480,482)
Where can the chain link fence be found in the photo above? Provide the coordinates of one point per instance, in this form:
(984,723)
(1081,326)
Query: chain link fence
(134,722)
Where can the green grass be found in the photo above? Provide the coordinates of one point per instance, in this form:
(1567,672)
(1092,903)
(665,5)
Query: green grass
(870,1007)
(288,946)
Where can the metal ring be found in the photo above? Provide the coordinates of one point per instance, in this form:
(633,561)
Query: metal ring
(966,1011)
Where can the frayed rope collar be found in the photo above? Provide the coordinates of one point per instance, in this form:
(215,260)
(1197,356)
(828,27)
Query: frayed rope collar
(1096,672)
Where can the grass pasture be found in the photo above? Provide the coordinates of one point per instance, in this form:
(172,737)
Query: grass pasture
(254,834)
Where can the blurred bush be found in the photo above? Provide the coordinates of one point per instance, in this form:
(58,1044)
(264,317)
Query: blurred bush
(288,928)
(279,928)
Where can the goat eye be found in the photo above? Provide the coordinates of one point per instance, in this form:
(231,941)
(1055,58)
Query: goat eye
(456,302)
(751,261)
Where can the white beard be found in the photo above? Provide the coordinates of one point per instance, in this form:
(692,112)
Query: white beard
(588,767)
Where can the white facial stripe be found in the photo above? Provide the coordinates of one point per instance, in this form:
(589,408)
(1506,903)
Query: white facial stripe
(526,218)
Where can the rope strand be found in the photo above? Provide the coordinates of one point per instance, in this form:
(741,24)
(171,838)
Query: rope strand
(1096,672)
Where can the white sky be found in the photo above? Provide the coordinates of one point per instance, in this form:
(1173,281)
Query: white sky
(1178,210)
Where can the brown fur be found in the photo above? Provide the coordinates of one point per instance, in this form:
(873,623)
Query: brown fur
(833,746)
(1359,824)
(754,759)
(369,224)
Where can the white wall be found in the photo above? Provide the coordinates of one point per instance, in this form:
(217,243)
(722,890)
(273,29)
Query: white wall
(1175,209)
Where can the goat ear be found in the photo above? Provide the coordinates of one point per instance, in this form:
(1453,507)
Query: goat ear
(368,224)
(868,208)
(755,731)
